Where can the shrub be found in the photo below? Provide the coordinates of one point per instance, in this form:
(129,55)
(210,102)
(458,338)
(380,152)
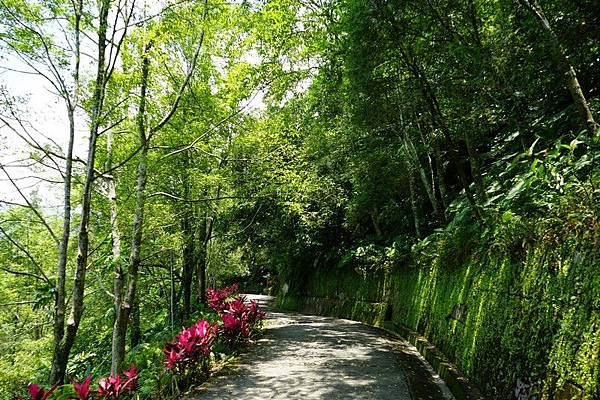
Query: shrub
(37,392)
(240,319)
(192,347)
(113,387)
(217,297)
(82,389)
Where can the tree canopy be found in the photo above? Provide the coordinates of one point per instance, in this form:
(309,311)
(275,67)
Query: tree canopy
(207,141)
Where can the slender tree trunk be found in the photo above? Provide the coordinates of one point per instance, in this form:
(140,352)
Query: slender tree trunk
(145,134)
(188,263)
(63,346)
(118,279)
(114,225)
(124,309)
(439,120)
(429,163)
(375,221)
(475,170)
(413,200)
(564,66)
(60,301)
(439,174)
(414,159)
(189,252)
(135,337)
(206,232)
(60,305)
(172,294)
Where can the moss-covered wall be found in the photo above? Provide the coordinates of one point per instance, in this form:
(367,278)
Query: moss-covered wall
(528,321)
(343,293)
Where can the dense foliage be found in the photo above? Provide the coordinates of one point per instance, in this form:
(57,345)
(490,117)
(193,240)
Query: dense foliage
(282,140)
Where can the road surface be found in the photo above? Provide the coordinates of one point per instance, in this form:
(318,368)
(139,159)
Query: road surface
(312,357)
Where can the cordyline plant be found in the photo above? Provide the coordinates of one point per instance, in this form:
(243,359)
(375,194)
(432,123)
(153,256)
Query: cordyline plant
(112,387)
(82,389)
(191,348)
(37,392)
(217,297)
(240,319)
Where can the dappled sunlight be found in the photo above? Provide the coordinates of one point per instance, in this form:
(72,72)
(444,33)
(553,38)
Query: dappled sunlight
(312,357)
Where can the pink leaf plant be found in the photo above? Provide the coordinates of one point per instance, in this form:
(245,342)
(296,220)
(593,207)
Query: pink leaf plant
(82,389)
(217,297)
(191,346)
(113,386)
(36,392)
(240,320)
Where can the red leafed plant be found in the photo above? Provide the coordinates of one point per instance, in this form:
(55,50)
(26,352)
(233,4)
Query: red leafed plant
(36,392)
(82,389)
(217,297)
(191,347)
(240,320)
(113,386)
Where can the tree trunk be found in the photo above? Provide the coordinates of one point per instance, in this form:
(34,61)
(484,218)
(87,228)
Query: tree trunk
(439,174)
(145,134)
(60,300)
(189,252)
(124,309)
(188,263)
(118,279)
(375,221)
(414,159)
(565,67)
(413,200)
(63,347)
(438,119)
(135,337)
(475,171)
(206,230)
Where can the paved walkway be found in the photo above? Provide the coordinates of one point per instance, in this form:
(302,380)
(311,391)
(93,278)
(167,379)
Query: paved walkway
(311,357)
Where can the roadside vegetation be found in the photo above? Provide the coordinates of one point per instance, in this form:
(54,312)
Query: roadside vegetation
(436,157)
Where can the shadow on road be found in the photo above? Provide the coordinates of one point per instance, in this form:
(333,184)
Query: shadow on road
(313,357)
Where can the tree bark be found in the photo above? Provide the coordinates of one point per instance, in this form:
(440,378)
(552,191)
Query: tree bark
(206,230)
(188,263)
(60,300)
(475,170)
(565,67)
(63,346)
(135,337)
(124,309)
(414,159)
(413,200)
(189,252)
(439,120)
(118,279)
(439,174)
(114,225)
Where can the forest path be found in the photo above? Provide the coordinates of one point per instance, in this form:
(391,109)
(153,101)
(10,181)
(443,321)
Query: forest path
(313,357)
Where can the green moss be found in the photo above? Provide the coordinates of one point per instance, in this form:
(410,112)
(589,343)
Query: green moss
(288,303)
(534,316)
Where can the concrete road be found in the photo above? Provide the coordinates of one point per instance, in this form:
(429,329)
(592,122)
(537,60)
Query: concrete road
(311,357)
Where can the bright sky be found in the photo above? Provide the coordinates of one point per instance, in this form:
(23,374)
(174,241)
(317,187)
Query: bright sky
(46,114)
